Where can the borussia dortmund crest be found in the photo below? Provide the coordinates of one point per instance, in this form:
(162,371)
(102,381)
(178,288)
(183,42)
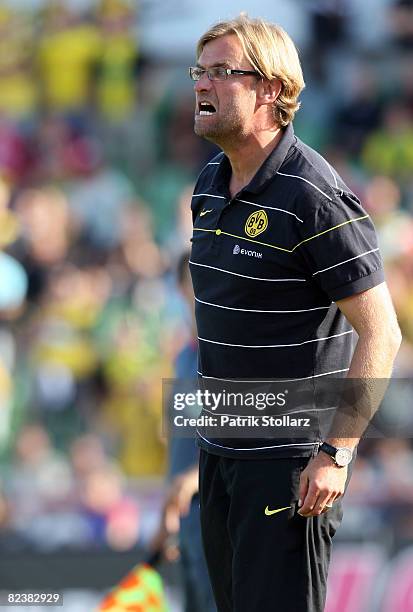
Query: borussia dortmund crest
(256,223)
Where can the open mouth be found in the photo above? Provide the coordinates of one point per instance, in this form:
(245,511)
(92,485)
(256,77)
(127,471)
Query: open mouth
(206,108)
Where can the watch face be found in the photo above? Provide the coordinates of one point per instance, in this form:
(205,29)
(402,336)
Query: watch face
(343,456)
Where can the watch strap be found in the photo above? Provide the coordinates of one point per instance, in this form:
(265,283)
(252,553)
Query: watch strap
(329,449)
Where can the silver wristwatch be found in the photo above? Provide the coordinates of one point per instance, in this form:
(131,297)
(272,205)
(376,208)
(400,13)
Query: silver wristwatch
(341,456)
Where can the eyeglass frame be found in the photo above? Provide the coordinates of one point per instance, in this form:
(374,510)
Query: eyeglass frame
(226,72)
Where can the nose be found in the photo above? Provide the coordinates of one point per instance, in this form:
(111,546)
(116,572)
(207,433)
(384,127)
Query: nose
(204,84)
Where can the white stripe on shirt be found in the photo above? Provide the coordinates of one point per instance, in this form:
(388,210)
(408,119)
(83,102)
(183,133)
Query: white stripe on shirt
(301,178)
(254,346)
(287,212)
(270,280)
(258,447)
(345,261)
(272,380)
(268,311)
(209,195)
(277,415)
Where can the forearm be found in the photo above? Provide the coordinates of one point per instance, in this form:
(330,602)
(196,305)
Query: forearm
(366,384)
(372,315)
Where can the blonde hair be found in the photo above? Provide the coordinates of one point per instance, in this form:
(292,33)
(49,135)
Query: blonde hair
(272,53)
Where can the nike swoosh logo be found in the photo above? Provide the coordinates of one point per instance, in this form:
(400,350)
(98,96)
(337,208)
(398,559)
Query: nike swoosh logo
(204,212)
(269,512)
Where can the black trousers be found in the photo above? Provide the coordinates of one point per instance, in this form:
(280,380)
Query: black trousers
(263,562)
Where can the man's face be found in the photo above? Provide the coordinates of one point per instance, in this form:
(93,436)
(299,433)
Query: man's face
(233,99)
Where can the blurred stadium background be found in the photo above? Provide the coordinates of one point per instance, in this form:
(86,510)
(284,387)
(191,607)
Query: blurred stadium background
(97,162)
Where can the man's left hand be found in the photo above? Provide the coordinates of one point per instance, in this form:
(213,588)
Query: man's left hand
(321,483)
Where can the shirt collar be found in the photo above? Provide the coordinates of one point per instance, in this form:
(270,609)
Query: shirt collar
(266,171)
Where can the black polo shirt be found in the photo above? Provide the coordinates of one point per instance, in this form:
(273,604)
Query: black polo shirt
(267,266)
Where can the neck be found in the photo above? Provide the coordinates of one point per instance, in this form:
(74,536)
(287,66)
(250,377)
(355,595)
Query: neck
(247,157)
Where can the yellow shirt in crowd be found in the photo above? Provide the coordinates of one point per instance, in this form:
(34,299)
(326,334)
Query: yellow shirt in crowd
(66,59)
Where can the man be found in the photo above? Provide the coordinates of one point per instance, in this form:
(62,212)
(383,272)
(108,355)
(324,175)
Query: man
(284,265)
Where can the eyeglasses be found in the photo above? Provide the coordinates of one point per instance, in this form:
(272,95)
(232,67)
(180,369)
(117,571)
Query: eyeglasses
(216,74)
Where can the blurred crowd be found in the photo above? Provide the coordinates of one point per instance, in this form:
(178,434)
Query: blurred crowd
(97,162)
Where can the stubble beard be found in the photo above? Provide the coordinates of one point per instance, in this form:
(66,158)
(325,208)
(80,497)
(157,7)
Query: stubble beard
(224,131)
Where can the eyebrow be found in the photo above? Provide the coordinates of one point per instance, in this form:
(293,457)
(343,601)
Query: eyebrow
(224,64)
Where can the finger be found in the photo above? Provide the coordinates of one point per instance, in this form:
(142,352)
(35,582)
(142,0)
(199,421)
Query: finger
(172,519)
(322,501)
(330,502)
(303,488)
(326,508)
(184,501)
(309,501)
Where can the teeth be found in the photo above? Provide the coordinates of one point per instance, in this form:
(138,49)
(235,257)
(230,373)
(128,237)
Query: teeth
(202,112)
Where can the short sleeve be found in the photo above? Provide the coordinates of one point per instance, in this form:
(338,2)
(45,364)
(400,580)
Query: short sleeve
(339,248)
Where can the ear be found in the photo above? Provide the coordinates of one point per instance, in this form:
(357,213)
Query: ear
(268,91)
